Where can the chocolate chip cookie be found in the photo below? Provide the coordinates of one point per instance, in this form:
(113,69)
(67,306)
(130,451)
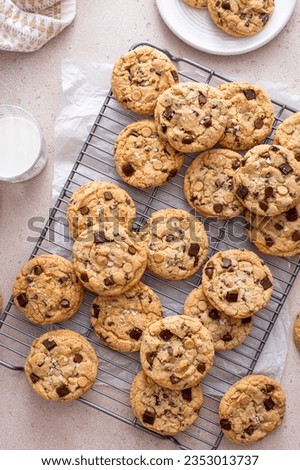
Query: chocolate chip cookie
(288,134)
(119,321)
(61,365)
(278,235)
(250,115)
(47,290)
(251,409)
(108,259)
(208,184)
(227,332)
(177,352)
(142,158)
(268,183)
(162,410)
(177,243)
(139,76)
(241,17)
(296,331)
(98,201)
(191,116)
(237,282)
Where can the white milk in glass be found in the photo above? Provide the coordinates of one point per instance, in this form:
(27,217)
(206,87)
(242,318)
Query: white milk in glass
(21,145)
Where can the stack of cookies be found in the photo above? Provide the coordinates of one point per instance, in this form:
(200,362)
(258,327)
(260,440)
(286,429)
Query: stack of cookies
(238,18)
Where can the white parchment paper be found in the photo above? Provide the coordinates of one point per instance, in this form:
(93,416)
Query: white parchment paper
(84,87)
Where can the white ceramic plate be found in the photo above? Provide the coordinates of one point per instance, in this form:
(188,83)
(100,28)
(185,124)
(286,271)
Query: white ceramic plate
(195,27)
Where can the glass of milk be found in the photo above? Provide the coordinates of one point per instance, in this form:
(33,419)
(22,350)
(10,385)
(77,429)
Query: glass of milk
(22,146)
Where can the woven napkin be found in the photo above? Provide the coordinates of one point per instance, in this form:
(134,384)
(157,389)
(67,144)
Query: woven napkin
(26,25)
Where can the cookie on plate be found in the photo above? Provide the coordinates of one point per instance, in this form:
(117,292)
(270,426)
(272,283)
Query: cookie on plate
(196,3)
(98,201)
(268,183)
(237,282)
(278,235)
(109,260)
(227,332)
(296,331)
(61,365)
(250,115)
(177,352)
(191,116)
(251,409)
(162,410)
(288,134)
(47,290)
(241,17)
(177,243)
(142,158)
(139,76)
(119,321)
(208,184)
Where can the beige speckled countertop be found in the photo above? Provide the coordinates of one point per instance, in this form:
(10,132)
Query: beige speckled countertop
(101,32)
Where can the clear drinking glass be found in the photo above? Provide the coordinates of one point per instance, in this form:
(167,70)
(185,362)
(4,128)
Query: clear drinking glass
(22,146)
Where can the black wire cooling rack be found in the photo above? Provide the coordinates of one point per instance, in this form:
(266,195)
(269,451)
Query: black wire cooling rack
(110,393)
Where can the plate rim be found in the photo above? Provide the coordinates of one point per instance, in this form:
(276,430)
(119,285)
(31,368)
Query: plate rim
(163,9)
